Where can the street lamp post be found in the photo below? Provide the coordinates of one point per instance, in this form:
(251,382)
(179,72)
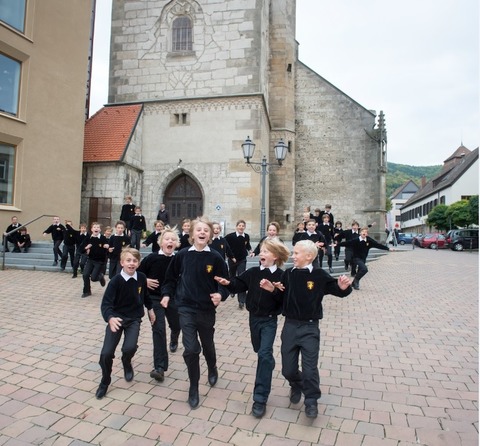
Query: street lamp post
(248,148)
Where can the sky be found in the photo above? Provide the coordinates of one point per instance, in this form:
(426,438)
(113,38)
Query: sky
(416,60)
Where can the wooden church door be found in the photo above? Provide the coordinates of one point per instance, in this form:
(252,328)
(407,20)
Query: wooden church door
(183,199)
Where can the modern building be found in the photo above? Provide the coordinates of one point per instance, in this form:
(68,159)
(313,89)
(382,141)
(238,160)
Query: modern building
(457,181)
(44,65)
(190,81)
(398,198)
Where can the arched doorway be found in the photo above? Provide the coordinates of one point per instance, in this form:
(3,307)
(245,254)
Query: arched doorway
(183,199)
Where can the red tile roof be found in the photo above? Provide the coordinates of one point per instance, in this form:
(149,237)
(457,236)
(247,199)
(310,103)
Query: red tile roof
(108,132)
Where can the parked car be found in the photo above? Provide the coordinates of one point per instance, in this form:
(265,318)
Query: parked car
(433,241)
(404,238)
(417,240)
(460,239)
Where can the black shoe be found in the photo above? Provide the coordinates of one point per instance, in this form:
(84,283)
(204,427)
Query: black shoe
(336,259)
(193,398)
(55,263)
(74,275)
(355,285)
(295,395)
(331,270)
(102,280)
(16,250)
(212,376)
(158,374)
(241,306)
(88,293)
(311,411)
(101,391)
(258,409)
(173,346)
(128,371)
(346,268)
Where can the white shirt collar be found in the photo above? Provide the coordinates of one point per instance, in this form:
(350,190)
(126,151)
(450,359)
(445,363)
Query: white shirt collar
(166,255)
(126,276)
(238,234)
(192,248)
(272,268)
(309,267)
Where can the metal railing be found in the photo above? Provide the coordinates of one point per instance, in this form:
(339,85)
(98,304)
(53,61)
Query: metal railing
(5,235)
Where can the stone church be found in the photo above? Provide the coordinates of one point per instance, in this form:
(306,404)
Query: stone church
(190,81)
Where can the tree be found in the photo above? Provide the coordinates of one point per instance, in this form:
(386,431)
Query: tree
(438,218)
(459,213)
(473,205)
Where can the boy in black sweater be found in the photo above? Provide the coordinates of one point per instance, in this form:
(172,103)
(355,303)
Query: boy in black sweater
(122,309)
(56,230)
(263,310)
(116,243)
(155,266)
(69,240)
(303,288)
(220,243)
(95,246)
(137,227)
(152,239)
(360,247)
(190,281)
(80,256)
(316,237)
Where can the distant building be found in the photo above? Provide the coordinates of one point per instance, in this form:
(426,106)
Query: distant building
(190,80)
(457,181)
(44,65)
(398,198)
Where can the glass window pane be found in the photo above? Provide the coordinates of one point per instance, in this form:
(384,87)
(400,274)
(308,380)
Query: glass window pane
(7,163)
(12,12)
(182,34)
(9,84)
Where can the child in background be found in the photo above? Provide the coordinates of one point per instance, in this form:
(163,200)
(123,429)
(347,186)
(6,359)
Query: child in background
(154,266)
(298,235)
(116,243)
(122,310)
(80,257)
(337,236)
(263,308)
(152,239)
(302,289)
(56,230)
(185,235)
(69,243)
(190,281)
(220,243)
(23,240)
(137,227)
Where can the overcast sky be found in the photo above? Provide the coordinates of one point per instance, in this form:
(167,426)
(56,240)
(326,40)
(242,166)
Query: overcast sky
(417,60)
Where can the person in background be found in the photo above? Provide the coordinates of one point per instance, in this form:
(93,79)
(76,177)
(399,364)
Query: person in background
(80,257)
(23,241)
(69,244)
(137,228)
(152,239)
(12,238)
(56,230)
(163,215)
(128,211)
(116,243)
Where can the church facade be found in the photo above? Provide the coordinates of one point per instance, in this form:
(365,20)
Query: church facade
(189,82)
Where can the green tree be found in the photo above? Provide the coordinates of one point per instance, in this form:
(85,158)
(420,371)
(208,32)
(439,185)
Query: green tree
(459,213)
(438,218)
(473,205)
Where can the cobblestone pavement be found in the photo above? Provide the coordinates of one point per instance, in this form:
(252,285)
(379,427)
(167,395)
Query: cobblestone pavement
(398,367)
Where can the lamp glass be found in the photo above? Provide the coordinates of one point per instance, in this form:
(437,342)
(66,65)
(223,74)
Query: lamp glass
(248,148)
(280,150)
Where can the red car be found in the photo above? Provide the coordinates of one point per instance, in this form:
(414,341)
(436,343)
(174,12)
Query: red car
(433,241)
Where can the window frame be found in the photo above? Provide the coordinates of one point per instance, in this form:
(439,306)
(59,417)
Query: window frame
(182,35)
(8,173)
(21,6)
(15,90)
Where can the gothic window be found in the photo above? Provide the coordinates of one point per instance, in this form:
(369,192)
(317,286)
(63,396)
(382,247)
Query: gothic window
(182,34)
(183,199)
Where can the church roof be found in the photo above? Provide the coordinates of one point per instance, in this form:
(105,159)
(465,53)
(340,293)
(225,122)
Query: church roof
(108,132)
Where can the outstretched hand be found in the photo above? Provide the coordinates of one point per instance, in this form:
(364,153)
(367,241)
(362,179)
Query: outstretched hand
(343,282)
(222,281)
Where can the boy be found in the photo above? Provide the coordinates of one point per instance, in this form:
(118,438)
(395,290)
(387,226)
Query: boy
(185,235)
(239,242)
(154,266)
(69,240)
(298,235)
(95,246)
(360,247)
(137,227)
(116,243)
(337,236)
(328,211)
(219,243)
(122,309)
(350,234)
(23,241)
(263,310)
(152,239)
(190,280)
(302,288)
(56,230)
(80,257)
(326,229)
(163,214)
(316,237)
(12,238)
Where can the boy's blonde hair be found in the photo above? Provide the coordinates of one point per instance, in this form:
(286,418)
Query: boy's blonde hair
(196,222)
(128,250)
(308,246)
(278,249)
(169,230)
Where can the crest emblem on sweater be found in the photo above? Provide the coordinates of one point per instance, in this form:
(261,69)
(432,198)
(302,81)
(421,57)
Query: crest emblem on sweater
(139,290)
(209,268)
(310,284)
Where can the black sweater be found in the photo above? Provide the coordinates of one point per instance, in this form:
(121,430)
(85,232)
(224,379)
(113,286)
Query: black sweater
(360,249)
(137,223)
(304,291)
(240,246)
(152,239)
(221,245)
(155,266)
(56,231)
(97,252)
(259,302)
(190,279)
(117,242)
(126,299)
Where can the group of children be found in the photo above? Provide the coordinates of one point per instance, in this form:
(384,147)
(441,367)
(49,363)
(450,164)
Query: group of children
(17,235)
(192,282)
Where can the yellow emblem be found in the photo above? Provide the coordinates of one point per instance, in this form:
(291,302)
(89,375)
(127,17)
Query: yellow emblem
(139,290)
(209,268)
(310,285)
